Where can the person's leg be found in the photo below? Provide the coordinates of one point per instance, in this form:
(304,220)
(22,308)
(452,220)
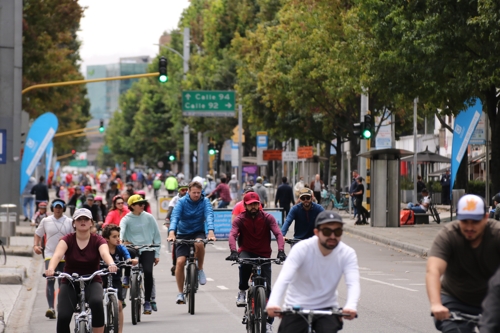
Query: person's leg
(25,208)
(93,295)
(244,271)
(200,254)
(223,204)
(179,271)
(49,290)
(66,302)
(327,324)
(317,195)
(453,326)
(293,324)
(147,260)
(32,207)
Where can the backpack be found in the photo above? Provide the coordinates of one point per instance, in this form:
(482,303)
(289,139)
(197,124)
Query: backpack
(406,217)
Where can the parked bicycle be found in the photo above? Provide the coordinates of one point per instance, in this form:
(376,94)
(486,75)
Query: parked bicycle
(472,320)
(136,284)
(311,315)
(341,204)
(83,315)
(191,282)
(255,317)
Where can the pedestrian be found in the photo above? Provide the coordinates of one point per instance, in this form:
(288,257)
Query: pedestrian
(315,186)
(28,200)
(358,199)
(53,227)
(284,196)
(298,186)
(112,192)
(352,189)
(41,191)
(445,187)
(234,187)
(261,191)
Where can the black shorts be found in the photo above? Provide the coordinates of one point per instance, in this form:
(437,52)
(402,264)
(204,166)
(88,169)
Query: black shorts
(117,284)
(182,250)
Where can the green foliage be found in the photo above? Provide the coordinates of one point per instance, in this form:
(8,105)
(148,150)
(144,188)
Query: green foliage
(406,183)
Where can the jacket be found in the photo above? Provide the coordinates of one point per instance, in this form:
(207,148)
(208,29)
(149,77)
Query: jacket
(141,230)
(262,192)
(189,217)
(304,220)
(311,186)
(41,192)
(171,183)
(284,195)
(255,234)
(114,216)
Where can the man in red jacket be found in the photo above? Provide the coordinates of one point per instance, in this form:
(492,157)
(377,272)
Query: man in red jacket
(253,228)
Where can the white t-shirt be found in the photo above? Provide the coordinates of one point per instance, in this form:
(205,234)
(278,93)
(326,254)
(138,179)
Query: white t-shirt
(54,229)
(174,200)
(425,200)
(103,178)
(309,279)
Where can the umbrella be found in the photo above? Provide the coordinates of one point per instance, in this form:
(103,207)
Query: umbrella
(427,157)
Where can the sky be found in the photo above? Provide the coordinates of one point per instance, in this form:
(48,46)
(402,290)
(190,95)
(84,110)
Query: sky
(111,29)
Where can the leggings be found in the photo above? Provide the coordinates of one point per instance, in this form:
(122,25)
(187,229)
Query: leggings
(147,260)
(50,288)
(68,299)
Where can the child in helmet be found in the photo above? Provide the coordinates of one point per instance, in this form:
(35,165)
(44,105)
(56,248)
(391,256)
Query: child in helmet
(40,214)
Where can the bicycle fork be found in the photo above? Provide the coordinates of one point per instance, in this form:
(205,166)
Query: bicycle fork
(84,317)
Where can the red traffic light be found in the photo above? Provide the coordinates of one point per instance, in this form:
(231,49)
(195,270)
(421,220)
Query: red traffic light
(73,151)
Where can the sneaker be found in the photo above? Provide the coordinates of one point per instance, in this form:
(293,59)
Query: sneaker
(124,304)
(126,282)
(269,328)
(241,299)
(180,299)
(147,308)
(173,270)
(202,277)
(50,313)
(153,306)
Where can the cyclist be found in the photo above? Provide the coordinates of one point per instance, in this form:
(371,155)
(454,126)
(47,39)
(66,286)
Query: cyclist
(147,206)
(464,256)
(117,212)
(140,228)
(74,201)
(253,229)
(40,214)
(53,227)
(129,191)
(111,193)
(171,184)
(181,191)
(188,222)
(261,191)
(82,252)
(223,190)
(119,253)
(304,214)
(311,274)
(156,186)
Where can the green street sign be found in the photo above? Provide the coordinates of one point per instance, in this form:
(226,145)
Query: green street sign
(106,150)
(78,163)
(208,103)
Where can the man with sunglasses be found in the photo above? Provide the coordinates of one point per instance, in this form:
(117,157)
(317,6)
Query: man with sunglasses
(304,214)
(310,277)
(462,259)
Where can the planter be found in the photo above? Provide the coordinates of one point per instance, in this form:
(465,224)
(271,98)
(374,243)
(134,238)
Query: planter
(407,196)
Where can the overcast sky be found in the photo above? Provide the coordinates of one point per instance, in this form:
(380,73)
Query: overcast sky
(111,29)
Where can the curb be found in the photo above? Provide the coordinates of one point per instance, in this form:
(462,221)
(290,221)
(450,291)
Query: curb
(414,249)
(23,251)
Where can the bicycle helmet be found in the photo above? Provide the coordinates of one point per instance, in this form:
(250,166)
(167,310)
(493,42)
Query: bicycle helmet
(98,198)
(182,185)
(42,205)
(56,202)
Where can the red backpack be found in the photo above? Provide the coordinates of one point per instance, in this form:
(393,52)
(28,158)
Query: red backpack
(406,217)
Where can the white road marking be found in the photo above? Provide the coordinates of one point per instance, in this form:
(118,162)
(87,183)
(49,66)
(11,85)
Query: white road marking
(379,274)
(399,279)
(220,248)
(417,284)
(210,279)
(387,284)
(222,287)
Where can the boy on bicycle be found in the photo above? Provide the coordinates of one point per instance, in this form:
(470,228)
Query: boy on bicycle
(118,252)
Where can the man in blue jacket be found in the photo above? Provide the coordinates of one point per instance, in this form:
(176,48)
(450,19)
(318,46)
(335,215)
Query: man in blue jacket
(304,214)
(188,222)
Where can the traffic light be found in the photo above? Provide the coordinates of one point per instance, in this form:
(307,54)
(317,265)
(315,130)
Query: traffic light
(101,126)
(171,157)
(162,68)
(367,129)
(356,129)
(73,152)
(211,149)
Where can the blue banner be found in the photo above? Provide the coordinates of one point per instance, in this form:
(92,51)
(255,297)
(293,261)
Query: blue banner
(222,221)
(465,124)
(3,146)
(48,159)
(56,167)
(39,136)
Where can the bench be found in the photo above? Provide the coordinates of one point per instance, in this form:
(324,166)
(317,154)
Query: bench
(422,218)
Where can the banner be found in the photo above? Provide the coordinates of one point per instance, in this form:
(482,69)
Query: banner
(48,159)
(222,221)
(465,124)
(39,136)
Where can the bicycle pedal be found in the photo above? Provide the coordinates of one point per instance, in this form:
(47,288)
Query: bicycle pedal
(244,321)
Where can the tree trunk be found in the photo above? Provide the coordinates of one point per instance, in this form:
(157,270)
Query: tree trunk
(494,118)
(338,159)
(326,166)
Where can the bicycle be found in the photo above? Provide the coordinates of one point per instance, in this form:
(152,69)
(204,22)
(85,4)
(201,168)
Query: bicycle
(310,315)
(464,317)
(292,241)
(3,254)
(110,302)
(136,287)
(83,315)
(255,317)
(191,282)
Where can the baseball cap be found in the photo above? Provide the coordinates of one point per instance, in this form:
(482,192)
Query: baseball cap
(471,207)
(305,191)
(57,203)
(136,198)
(327,216)
(82,212)
(88,188)
(259,179)
(89,197)
(251,197)
(98,198)
(497,198)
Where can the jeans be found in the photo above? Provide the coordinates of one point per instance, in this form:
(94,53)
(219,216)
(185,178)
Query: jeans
(223,204)
(416,208)
(50,288)
(29,201)
(454,304)
(354,207)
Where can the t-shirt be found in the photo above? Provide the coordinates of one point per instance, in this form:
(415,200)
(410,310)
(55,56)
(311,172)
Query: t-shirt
(468,269)
(425,200)
(233,185)
(54,229)
(223,190)
(83,261)
(359,187)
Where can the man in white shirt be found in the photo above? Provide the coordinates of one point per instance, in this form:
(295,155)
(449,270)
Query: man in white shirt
(425,203)
(53,227)
(310,277)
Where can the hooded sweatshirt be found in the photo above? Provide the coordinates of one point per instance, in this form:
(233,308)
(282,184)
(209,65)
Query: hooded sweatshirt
(189,217)
(141,230)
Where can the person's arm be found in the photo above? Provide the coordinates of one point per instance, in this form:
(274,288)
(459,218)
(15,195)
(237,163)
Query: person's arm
(490,320)
(435,269)
(289,218)
(233,234)
(351,274)
(156,238)
(209,217)
(61,249)
(278,193)
(123,229)
(277,232)
(174,219)
(104,252)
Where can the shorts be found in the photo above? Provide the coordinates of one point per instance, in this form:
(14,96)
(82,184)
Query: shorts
(182,250)
(117,284)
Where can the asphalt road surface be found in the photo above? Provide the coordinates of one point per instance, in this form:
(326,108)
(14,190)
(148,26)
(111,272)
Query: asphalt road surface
(393,296)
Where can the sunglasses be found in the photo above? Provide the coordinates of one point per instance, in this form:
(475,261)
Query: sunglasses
(327,232)
(305,197)
(140,204)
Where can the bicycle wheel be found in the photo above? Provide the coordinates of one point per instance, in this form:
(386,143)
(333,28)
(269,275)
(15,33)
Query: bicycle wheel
(139,300)
(260,310)
(134,299)
(192,287)
(112,315)
(249,312)
(3,255)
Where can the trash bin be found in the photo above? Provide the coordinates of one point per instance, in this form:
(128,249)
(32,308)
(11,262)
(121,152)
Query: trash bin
(8,222)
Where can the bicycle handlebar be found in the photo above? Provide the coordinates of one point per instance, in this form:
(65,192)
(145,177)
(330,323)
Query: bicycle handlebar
(138,247)
(292,241)
(257,261)
(300,311)
(192,241)
(75,277)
